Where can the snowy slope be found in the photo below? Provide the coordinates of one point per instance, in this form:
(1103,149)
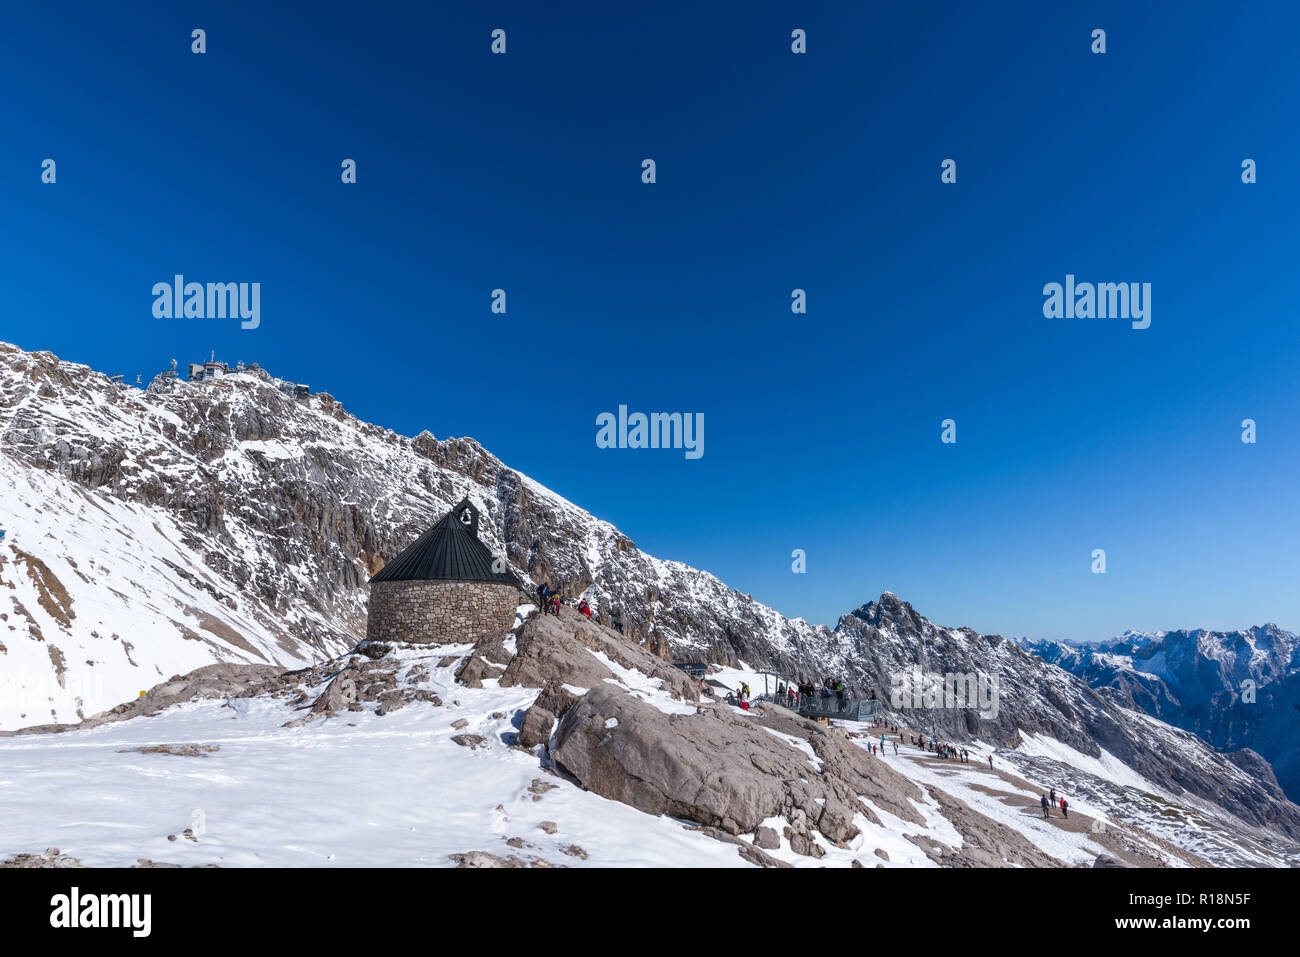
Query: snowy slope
(360,789)
(371,790)
(102,598)
(253,785)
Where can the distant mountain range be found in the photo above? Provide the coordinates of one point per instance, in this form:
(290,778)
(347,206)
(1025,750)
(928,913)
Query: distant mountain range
(1203,681)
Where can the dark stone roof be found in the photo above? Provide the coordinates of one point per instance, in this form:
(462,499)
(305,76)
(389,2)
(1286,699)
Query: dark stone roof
(450,551)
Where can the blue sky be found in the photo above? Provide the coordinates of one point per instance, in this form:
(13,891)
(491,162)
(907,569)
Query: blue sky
(775,171)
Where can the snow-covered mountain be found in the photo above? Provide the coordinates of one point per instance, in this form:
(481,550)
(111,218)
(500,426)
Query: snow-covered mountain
(247,523)
(1039,699)
(1235,689)
(153,532)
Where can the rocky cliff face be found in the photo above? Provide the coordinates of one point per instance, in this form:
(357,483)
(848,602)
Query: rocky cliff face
(155,532)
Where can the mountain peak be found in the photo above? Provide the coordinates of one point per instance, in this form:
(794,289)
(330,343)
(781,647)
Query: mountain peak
(885,611)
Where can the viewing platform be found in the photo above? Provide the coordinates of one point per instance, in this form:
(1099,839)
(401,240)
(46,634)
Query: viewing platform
(831,707)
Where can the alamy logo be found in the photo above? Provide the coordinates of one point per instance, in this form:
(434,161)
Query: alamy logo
(921,689)
(1104,300)
(74,910)
(658,430)
(215,300)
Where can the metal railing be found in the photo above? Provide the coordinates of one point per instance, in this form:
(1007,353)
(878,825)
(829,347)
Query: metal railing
(817,706)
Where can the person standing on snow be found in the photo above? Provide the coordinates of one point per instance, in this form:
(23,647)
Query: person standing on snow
(1043,801)
(990,762)
(1064,812)
(1052,795)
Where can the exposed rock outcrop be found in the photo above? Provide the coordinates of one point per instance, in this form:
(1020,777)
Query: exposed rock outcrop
(735,774)
(553,651)
(536,727)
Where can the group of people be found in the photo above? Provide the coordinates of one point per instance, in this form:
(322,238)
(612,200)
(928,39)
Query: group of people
(739,697)
(879,749)
(948,752)
(1049,802)
(939,749)
(793,694)
(806,691)
(835,688)
(549,600)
